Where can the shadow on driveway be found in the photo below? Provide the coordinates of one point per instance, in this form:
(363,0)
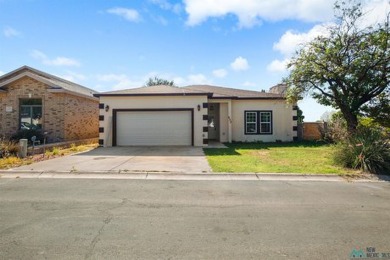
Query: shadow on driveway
(145,151)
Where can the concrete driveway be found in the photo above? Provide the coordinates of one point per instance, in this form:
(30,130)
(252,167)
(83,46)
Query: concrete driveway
(122,159)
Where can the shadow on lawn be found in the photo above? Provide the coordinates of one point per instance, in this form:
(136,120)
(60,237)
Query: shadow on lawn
(233,147)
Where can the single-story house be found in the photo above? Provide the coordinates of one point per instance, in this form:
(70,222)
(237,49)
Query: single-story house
(32,99)
(194,115)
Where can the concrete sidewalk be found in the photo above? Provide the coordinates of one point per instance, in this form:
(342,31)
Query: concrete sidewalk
(186,176)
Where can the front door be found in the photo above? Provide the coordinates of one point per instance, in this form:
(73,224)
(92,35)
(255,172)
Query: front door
(213,122)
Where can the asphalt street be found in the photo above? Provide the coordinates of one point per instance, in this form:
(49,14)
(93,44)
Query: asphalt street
(144,219)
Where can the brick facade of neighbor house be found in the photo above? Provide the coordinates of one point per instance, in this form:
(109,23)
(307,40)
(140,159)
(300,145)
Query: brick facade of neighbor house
(312,130)
(66,115)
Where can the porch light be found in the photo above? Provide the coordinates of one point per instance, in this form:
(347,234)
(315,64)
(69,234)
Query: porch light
(107,108)
(198,107)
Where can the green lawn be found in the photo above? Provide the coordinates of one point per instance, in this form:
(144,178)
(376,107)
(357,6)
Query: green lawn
(297,157)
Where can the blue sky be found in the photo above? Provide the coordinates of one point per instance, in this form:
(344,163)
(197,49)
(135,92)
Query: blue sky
(112,44)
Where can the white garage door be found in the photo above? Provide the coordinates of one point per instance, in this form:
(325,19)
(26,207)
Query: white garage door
(154,128)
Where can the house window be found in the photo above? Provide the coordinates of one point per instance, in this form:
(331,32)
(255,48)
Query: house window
(30,114)
(251,122)
(258,122)
(265,122)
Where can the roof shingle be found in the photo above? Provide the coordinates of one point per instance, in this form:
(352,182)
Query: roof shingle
(222,92)
(154,90)
(54,81)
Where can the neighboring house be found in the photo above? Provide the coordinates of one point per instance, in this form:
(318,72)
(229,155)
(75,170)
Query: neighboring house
(32,99)
(193,115)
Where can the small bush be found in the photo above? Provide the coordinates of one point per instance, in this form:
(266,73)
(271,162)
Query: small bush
(10,162)
(27,134)
(74,147)
(48,153)
(367,150)
(55,151)
(335,130)
(8,148)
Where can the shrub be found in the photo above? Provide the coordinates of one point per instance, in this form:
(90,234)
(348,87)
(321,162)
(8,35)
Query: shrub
(10,162)
(27,134)
(367,150)
(55,151)
(74,147)
(8,148)
(335,129)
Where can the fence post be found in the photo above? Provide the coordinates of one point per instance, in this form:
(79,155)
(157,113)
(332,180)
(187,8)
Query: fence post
(23,148)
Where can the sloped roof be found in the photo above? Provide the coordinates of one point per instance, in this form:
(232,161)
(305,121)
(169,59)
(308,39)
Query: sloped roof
(222,92)
(210,91)
(159,90)
(56,83)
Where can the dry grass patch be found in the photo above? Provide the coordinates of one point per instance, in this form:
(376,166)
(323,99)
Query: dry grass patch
(12,161)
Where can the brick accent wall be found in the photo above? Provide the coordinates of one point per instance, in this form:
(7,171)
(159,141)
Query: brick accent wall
(59,117)
(311,130)
(81,118)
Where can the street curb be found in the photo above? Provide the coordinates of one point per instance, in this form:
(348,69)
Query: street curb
(9,174)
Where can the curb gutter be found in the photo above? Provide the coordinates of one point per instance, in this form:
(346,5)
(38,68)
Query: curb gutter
(10,174)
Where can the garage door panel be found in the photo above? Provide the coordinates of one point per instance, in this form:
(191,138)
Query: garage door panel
(154,128)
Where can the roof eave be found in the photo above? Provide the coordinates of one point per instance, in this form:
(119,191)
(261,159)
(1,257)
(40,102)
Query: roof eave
(250,98)
(65,91)
(209,95)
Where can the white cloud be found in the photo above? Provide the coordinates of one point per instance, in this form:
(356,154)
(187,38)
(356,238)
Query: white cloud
(62,61)
(165,5)
(278,66)
(131,15)
(10,32)
(248,84)
(2,73)
(192,79)
(239,64)
(74,77)
(291,40)
(159,19)
(119,81)
(252,12)
(220,73)
(375,11)
(198,79)
(58,61)
(38,55)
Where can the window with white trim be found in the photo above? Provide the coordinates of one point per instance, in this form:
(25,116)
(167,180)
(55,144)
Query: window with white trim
(265,122)
(251,122)
(258,122)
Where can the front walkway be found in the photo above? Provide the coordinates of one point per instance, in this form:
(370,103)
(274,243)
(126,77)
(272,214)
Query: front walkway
(215,144)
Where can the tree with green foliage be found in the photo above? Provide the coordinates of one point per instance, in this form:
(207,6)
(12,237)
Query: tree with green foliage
(347,69)
(155,81)
(379,109)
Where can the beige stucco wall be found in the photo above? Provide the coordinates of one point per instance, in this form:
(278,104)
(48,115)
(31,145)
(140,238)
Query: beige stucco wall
(282,117)
(56,117)
(223,123)
(154,102)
